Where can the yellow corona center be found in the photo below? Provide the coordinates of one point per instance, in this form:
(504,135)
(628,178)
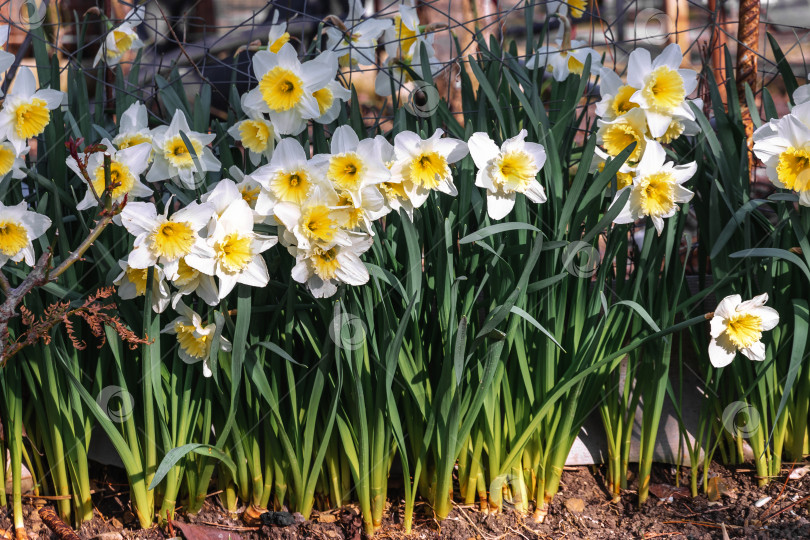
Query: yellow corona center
(13,238)
(120,177)
(291,186)
(664,89)
(176,152)
(405,36)
(255,135)
(282,40)
(575,66)
(617,137)
(233,252)
(623,179)
(657,194)
(674,131)
(137,276)
(621,102)
(185,274)
(325,98)
(31,118)
(7,157)
(744,329)
(514,171)
(346,170)
(793,169)
(250,194)
(172,240)
(196,347)
(393,191)
(123,41)
(281,89)
(577,7)
(325,262)
(133,140)
(355,214)
(318,223)
(428,168)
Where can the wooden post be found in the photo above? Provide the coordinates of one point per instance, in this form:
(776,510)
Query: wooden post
(747,52)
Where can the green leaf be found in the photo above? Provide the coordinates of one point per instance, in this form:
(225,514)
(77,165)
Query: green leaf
(176,454)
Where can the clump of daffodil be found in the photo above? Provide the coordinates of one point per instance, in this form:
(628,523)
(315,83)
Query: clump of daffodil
(423,165)
(26,111)
(288,91)
(121,39)
(174,159)
(784,146)
(194,337)
(19,227)
(506,171)
(656,189)
(738,326)
(126,168)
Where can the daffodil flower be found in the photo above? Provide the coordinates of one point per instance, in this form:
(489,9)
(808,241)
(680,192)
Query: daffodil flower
(164,240)
(783,145)
(133,128)
(617,134)
(194,338)
(356,42)
(189,280)
(131,283)
(615,95)
(288,177)
(278,35)
(801,94)
(319,221)
(662,86)
(26,111)
(126,168)
(121,39)
(237,250)
(256,134)
(324,269)
(6,58)
(226,191)
(11,161)
(354,166)
(174,160)
(424,165)
(329,99)
(738,326)
(656,189)
(561,62)
(18,228)
(575,7)
(286,89)
(396,198)
(507,170)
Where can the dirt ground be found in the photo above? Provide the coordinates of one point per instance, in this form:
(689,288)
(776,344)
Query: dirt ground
(582,509)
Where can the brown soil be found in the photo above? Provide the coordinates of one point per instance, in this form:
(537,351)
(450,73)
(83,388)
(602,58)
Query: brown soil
(787,515)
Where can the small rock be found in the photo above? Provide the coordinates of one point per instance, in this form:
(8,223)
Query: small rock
(108,536)
(278,519)
(762,502)
(576,506)
(299,517)
(116,523)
